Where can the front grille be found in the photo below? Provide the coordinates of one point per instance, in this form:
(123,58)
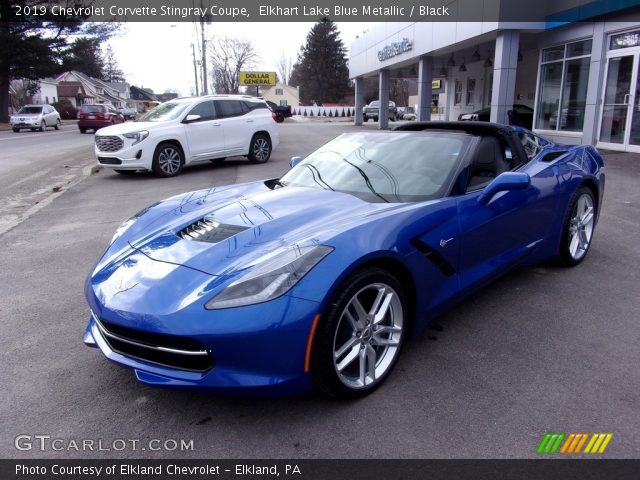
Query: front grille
(167,350)
(210,231)
(108,143)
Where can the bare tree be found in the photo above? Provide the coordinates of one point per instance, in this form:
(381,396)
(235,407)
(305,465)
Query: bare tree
(111,70)
(229,56)
(284,67)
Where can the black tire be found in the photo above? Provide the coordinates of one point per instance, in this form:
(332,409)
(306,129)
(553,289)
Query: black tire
(57,125)
(333,331)
(375,119)
(566,256)
(125,172)
(83,130)
(259,148)
(43,126)
(16,130)
(33,129)
(168,160)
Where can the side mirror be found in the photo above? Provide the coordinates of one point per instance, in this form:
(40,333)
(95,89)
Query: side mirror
(504,182)
(191,118)
(294,161)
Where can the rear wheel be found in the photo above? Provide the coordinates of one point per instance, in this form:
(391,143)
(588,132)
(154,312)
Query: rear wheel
(259,149)
(83,130)
(167,160)
(57,125)
(361,335)
(43,126)
(579,225)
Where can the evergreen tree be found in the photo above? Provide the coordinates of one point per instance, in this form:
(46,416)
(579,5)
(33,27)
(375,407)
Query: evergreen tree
(84,55)
(111,69)
(321,70)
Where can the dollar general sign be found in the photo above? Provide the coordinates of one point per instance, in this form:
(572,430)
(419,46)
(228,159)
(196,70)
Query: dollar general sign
(257,78)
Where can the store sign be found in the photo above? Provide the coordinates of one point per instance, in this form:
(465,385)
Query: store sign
(395,48)
(625,40)
(257,78)
(436,84)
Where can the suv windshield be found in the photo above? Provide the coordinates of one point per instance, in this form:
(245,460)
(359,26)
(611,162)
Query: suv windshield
(383,167)
(30,110)
(164,112)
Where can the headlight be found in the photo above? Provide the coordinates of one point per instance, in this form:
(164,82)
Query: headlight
(271,279)
(136,136)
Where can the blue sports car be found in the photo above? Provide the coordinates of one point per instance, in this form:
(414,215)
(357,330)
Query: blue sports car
(318,278)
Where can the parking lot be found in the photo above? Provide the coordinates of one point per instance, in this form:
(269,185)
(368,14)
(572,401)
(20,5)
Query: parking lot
(544,349)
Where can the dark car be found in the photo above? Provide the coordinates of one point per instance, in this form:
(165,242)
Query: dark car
(97,116)
(373,111)
(280,112)
(520,115)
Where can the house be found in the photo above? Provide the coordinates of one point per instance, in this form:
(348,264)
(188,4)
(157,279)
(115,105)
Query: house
(283,95)
(142,98)
(91,90)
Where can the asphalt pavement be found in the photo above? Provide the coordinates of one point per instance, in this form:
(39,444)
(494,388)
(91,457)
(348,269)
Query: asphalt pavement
(544,349)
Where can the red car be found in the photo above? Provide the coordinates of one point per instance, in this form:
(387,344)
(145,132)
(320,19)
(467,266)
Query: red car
(97,116)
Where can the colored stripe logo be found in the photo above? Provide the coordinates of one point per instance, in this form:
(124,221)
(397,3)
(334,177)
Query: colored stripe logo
(572,443)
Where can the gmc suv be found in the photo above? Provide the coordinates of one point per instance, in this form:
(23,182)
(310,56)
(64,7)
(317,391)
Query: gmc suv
(189,130)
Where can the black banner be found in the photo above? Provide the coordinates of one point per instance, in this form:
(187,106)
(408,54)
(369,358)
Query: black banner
(583,469)
(309,10)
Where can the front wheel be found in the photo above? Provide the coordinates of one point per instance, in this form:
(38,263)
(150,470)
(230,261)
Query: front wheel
(57,125)
(579,225)
(361,334)
(259,149)
(167,160)
(16,130)
(43,126)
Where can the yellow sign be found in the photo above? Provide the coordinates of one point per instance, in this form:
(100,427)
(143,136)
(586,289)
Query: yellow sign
(435,84)
(257,78)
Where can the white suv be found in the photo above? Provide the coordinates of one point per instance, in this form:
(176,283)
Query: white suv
(189,130)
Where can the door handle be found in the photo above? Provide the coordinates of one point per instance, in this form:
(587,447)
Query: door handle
(249,120)
(216,124)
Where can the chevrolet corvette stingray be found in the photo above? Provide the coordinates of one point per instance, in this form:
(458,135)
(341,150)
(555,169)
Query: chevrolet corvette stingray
(318,278)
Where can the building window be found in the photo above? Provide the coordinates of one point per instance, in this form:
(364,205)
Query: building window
(457,100)
(471,88)
(283,103)
(279,91)
(562,91)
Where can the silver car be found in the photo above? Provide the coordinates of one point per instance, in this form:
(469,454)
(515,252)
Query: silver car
(35,117)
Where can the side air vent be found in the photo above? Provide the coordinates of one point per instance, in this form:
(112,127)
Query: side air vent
(210,231)
(551,156)
(435,258)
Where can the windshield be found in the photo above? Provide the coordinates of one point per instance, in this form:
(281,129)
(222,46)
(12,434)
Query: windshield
(383,166)
(164,112)
(30,110)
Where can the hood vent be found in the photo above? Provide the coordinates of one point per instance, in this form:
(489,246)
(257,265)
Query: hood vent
(551,156)
(210,231)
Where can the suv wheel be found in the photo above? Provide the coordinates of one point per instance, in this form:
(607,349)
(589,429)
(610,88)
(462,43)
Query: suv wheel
(167,160)
(16,130)
(259,149)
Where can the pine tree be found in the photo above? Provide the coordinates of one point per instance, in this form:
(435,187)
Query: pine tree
(321,70)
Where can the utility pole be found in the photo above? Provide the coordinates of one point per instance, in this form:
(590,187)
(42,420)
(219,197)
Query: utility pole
(195,68)
(205,90)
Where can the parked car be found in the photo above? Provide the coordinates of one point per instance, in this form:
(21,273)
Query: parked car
(189,130)
(94,117)
(520,115)
(409,114)
(373,111)
(35,117)
(128,113)
(319,277)
(280,112)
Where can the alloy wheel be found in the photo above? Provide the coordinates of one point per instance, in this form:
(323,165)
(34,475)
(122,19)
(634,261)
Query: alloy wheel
(368,336)
(169,160)
(261,149)
(581,227)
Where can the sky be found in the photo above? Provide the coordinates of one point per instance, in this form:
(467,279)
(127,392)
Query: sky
(159,56)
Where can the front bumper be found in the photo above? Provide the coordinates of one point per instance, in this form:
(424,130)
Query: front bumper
(258,349)
(30,123)
(135,157)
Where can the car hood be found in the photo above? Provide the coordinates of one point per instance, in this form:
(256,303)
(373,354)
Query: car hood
(127,127)
(247,222)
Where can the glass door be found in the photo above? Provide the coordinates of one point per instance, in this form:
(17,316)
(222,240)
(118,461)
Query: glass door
(620,119)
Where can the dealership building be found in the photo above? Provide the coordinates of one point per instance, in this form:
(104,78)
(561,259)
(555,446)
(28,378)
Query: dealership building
(580,77)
